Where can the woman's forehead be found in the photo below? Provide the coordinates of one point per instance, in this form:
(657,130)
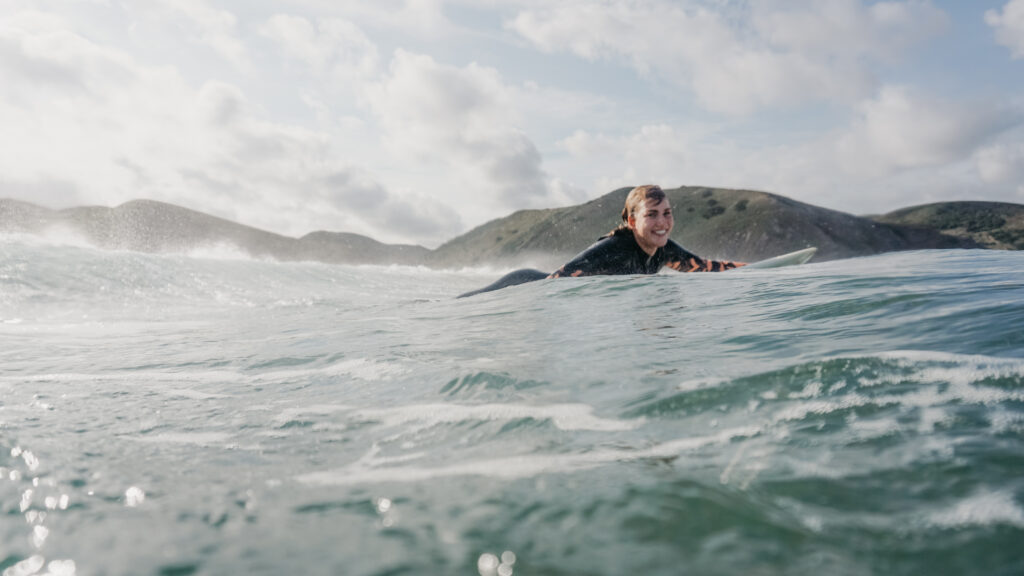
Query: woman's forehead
(656,203)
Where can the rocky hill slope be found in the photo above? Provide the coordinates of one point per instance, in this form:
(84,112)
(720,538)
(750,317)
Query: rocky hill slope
(996,225)
(150,226)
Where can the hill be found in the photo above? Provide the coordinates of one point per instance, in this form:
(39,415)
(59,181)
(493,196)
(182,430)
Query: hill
(357,249)
(996,225)
(713,222)
(151,226)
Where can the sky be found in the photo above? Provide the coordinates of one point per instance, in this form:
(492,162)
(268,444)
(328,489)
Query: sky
(413,121)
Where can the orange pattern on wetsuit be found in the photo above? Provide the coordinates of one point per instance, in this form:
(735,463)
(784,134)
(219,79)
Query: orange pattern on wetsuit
(698,265)
(619,253)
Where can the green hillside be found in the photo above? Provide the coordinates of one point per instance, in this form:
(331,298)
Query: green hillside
(995,225)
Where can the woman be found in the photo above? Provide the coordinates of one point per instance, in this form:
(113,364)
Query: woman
(640,245)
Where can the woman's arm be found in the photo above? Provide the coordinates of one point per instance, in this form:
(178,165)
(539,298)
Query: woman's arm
(683,260)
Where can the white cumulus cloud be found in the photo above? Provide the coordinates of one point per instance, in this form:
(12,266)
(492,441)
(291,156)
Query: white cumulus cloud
(463,119)
(903,128)
(1002,163)
(213,27)
(329,46)
(737,61)
(1009,26)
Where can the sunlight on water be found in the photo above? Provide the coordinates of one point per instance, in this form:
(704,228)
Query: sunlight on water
(134,496)
(37,505)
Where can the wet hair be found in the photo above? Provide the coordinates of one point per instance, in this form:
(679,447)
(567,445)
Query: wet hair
(634,201)
(637,196)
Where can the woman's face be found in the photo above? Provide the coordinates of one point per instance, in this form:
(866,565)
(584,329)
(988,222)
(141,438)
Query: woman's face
(651,224)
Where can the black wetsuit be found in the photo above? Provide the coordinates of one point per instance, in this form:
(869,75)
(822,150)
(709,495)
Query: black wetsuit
(617,253)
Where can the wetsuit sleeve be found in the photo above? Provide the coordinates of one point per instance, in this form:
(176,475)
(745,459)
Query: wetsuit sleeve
(597,259)
(681,259)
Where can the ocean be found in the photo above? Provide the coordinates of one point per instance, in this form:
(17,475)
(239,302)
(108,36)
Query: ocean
(209,413)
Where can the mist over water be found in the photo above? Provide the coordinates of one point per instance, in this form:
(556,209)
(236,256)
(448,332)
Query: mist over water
(211,414)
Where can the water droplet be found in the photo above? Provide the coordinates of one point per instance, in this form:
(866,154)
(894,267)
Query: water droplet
(487,564)
(62,568)
(508,557)
(26,499)
(30,460)
(383,505)
(26,567)
(134,496)
(39,534)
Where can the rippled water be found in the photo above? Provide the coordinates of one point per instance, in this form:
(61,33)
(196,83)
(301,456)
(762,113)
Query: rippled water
(207,414)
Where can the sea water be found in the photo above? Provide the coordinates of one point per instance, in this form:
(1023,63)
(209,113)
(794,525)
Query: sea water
(213,414)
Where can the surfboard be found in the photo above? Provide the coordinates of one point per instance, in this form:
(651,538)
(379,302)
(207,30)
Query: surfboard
(530,275)
(791,259)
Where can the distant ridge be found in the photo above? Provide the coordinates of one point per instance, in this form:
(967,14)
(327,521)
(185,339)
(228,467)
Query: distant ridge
(997,225)
(713,222)
(151,226)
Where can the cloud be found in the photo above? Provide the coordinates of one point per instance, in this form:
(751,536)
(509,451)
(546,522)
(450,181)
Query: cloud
(418,18)
(355,191)
(659,153)
(898,147)
(44,192)
(738,61)
(82,121)
(463,119)
(212,27)
(1009,26)
(39,52)
(842,29)
(903,128)
(330,46)
(1003,164)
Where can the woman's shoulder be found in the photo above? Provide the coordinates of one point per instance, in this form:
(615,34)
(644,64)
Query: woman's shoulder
(602,257)
(614,240)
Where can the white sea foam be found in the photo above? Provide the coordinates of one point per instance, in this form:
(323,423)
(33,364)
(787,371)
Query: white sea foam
(212,439)
(220,251)
(194,394)
(359,368)
(378,470)
(292,414)
(940,386)
(563,416)
(149,376)
(982,508)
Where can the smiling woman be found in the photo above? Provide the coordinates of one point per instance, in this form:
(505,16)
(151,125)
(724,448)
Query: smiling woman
(640,245)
